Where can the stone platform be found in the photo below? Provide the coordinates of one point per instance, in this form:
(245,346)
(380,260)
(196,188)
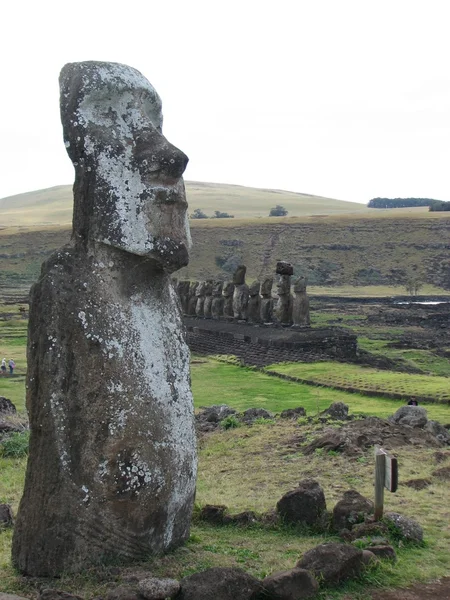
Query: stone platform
(261,345)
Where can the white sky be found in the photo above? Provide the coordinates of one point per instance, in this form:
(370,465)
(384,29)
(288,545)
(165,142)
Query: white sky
(343,98)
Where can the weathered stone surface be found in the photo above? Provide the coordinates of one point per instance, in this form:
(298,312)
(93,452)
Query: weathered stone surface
(123,592)
(254,303)
(158,589)
(219,583)
(300,304)
(228,292)
(6,406)
(368,557)
(192,303)
(6,516)
(217,300)
(371,529)
(51,594)
(284,268)
(333,562)
(293,413)
(208,300)
(439,431)
(412,416)
(305,504)
(351,510)
(337,410)
(112,466)
(247,517)
(183,295)
(283,305)
(408,529)
(251,414)
(200,295)
(213,513)
(294,584)
(240,294)
(266,301)
(385,551)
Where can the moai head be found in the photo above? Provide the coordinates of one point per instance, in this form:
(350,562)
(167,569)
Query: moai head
(254,288)
(217,288)
(228,288)
(200,290)
(239,275)
(266,288)
(284,268)
(193,288)
(300,285)
(283,285)
(208,287)
(129,192)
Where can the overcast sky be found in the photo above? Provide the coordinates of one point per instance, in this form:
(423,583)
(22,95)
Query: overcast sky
(342,98)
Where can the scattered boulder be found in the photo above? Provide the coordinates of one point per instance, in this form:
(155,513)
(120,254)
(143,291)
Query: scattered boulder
(7,427)
(304,505)
(412,416)
(248,517)
(6,516)
(293,413)
(251,414)
(439,431)
(418,484)
(368,556)
(384,551)
(210,417)
(158,589)
(213,513)
(350,510)
(123,592)
(49,594)
(219,583)
(294,584)
(337,411)
(6,406)
(442,473)
(404,527)
(369,529)
(333,562)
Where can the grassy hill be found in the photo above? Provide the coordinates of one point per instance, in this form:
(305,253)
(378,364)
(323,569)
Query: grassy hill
(53,206)
(334,243)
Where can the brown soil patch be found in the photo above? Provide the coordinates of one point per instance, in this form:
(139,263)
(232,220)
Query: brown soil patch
(439,590)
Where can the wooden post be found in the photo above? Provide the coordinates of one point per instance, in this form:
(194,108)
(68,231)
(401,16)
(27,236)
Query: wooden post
(380,468)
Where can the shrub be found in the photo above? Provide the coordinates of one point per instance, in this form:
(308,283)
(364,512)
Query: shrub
(199,214)
(15,445)
(230,422)
(222,215)
(278,211)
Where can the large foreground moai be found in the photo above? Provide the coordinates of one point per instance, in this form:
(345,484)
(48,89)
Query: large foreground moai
(240,294)
(112,466)
(300,304)
(283,304)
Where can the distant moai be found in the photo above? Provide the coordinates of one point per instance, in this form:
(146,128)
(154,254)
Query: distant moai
(217,301)
(200,294)
(208,300)
(192,301)
(183,294)
(240,294)
(112,466)
(300,304)
(254,303)
(266,301)
(283,304)
(227,293)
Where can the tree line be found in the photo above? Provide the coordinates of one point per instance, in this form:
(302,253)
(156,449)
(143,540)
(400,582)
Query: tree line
(403,202)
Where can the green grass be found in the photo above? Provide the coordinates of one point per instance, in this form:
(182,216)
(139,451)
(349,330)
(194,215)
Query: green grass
(368,379)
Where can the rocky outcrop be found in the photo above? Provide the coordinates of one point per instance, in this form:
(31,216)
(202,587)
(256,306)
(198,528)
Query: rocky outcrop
(304,505)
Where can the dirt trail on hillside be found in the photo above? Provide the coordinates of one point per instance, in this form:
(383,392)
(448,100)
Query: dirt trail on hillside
(438,590)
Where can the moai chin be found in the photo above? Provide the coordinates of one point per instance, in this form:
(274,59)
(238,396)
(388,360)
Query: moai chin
(217,300)
(208,300)
(266,301)
(240,294)
(254,303)
(192,302)
(112,466)
(227,293)
(200,295)
(300,304)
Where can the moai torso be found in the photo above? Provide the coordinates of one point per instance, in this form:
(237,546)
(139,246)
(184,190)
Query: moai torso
(208,300)
(200,294)
(112,464)
(227,292)
(217,300)
(300,304)
(266,301)
(240,294)
(283,304)
(254,303)
(183,294)
(192,302)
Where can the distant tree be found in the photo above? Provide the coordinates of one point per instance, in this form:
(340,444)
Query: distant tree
(199,214)
(222,215)
(400,202)
(413,285)
(439,206)
(278,211)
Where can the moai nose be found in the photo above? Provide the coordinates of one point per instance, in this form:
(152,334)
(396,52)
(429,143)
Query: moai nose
(155,155)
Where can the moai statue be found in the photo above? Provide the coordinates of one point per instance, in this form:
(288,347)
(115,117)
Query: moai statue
(240,294)
(266,301)
(227,293)
(183,295)
(112,465)
(217,301)
(200,294)
(208,300)
(283,304)
(192,302)
(254,303)
(300,304)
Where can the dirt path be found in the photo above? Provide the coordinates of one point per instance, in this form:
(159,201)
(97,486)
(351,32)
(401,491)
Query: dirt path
(438,590)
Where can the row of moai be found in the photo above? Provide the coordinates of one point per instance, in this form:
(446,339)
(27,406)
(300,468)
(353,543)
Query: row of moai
(235,300)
